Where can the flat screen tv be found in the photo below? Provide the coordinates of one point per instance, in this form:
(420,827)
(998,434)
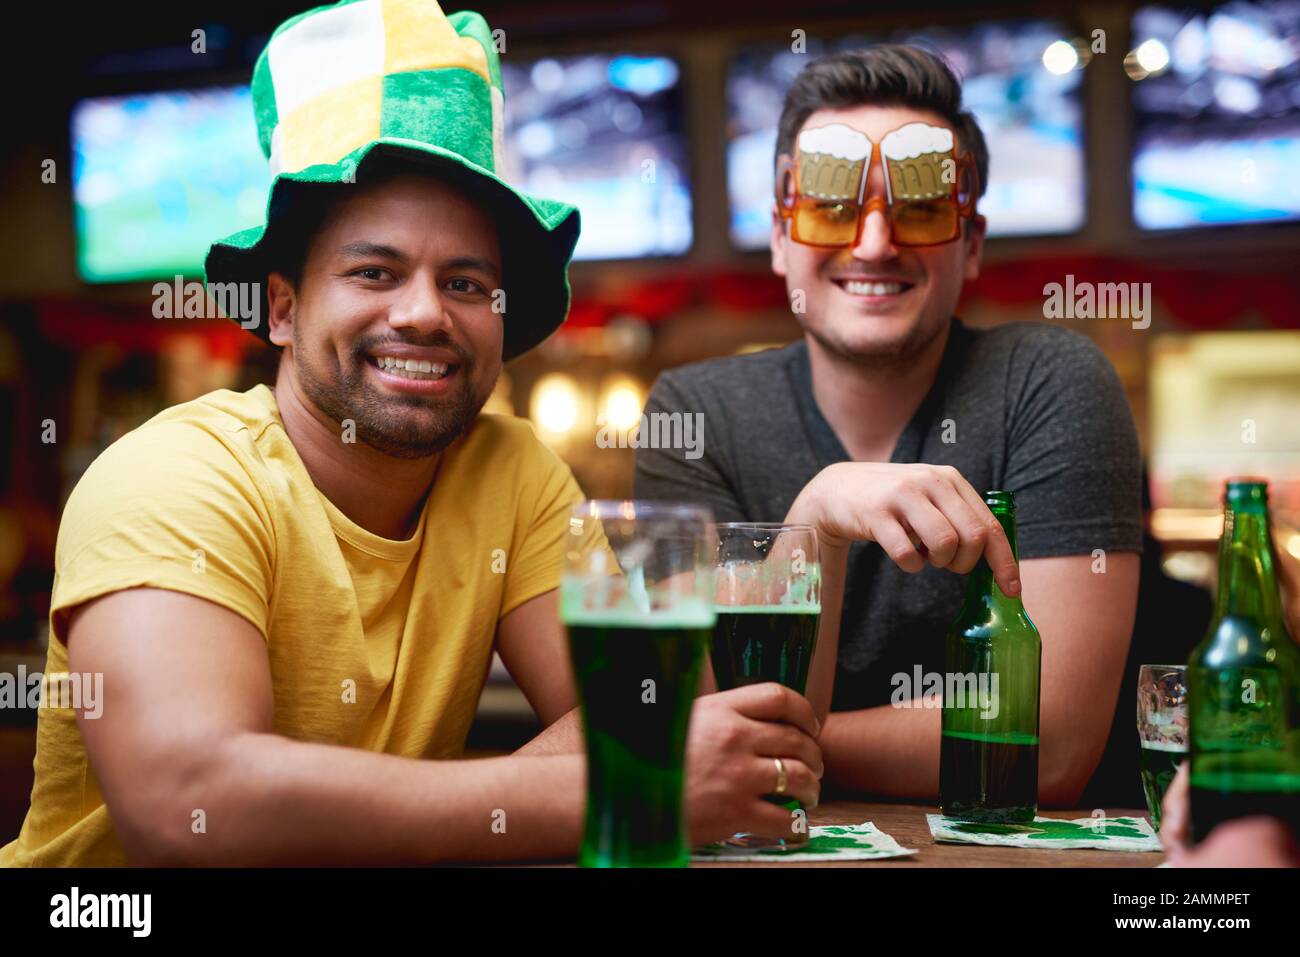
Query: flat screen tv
(157,177)
(1216,102)
(606,133)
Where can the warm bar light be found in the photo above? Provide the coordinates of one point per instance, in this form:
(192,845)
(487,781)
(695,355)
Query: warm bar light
(1187,524)
(554,406)
(1060,57)
(620,403)
(1152,56)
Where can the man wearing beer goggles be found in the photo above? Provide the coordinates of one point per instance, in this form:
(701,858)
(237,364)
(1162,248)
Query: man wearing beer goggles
(929,190)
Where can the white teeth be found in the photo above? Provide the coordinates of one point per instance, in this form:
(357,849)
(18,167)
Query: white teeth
(855,288)
(412,368)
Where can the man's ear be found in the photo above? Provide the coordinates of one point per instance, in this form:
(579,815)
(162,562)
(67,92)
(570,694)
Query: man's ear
(975,227)
(281,300)
(777,243)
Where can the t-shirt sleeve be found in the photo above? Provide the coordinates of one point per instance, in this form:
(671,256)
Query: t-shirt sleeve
(697,476)
(1072,458)
(167,506)
(537,560)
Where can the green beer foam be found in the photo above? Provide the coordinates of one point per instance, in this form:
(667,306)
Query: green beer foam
(1003,737)
(808,609)
(802,597)
(689,613)
(1253,782)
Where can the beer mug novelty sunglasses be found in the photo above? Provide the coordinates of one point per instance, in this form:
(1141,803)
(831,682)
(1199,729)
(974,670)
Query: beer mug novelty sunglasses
(929,190)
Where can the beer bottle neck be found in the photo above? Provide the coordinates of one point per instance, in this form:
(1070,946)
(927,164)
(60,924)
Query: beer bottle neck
(1248,585)
(981,586)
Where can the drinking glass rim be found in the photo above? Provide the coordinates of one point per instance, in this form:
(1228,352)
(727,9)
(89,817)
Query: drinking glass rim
(607,508)
(768,526)
(1164,667)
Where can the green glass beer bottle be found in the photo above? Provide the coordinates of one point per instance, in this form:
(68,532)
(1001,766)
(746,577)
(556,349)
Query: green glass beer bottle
(1243,681)
(988,759)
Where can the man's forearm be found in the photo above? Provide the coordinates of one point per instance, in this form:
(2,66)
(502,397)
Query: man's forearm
(268,800)
(562,736)
(885,751)
(894,752)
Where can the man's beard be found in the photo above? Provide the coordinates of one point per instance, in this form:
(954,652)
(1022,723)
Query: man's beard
(377,416)
(898,355)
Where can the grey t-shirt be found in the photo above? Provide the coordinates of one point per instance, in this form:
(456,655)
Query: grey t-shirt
(1026,407)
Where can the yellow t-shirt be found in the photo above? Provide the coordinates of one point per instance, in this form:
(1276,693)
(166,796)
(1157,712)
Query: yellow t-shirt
(373,643)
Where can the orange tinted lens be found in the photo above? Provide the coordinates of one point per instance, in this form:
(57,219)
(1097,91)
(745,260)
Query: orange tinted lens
(922,222)
(824,223)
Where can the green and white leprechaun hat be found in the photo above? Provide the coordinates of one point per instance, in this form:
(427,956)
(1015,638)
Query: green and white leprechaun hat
(341,85)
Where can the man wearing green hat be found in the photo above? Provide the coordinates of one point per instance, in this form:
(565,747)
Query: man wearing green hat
(291,594)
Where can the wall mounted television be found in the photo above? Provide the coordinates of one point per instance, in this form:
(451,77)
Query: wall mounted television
(605,132)
(1216,103)
(156,177)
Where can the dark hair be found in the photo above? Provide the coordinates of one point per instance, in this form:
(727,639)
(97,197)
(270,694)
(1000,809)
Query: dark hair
(889,74)
(300,211)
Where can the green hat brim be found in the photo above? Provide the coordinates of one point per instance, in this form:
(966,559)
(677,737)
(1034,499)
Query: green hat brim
(537,235)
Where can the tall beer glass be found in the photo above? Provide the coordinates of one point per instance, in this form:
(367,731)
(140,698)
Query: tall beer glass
(639,613)
(768,597)
(1162,730)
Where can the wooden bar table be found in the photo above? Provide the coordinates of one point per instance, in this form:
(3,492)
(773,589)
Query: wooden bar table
(907,825)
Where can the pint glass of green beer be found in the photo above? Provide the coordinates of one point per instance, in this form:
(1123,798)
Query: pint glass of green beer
(1162,730)
(768,598)
(639,613)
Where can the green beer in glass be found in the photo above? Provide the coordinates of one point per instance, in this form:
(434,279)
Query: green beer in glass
(639,613)
(988,757)
(1162,730)
(1243,681)
(768,603)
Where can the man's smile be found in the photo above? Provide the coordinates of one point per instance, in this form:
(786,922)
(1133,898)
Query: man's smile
(874,290)
(415,369)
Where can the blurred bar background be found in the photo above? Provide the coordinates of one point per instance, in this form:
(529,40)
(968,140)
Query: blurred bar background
(1129,143)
